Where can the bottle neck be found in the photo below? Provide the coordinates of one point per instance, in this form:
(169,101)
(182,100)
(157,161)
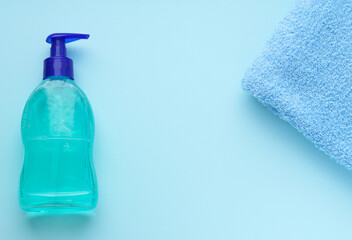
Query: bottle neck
(57,78)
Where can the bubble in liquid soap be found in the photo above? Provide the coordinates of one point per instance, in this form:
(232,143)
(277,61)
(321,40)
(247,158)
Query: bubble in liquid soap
(61,101)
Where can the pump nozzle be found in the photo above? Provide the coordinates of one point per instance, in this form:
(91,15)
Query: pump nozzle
(58,64)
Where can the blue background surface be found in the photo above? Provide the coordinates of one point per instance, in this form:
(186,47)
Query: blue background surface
(181,152)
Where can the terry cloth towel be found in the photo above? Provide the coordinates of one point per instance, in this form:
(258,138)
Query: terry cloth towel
(304,74)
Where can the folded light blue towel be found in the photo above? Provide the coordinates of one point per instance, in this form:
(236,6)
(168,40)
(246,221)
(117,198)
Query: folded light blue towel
(304,74)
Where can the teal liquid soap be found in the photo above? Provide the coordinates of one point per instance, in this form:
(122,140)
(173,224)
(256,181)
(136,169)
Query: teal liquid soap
(57,132)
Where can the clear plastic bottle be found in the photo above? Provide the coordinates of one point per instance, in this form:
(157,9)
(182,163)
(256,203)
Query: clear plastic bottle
(57,133)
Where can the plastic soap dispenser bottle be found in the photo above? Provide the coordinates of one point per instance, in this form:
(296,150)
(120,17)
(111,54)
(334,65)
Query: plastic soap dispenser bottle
(57,133)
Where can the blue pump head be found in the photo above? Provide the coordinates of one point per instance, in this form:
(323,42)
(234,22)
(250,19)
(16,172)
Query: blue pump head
(58,64)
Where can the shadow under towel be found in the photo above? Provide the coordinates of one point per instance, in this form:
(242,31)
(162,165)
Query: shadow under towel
(304,74)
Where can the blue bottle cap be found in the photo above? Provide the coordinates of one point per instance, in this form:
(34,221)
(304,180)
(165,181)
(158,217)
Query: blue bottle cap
(58,64)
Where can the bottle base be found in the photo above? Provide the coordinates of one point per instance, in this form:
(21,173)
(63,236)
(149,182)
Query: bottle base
(58,202)
(57,208)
